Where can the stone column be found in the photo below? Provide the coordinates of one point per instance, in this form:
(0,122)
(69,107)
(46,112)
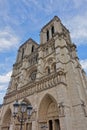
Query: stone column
(11,127)
(34,125)
(53,124)
(63,107)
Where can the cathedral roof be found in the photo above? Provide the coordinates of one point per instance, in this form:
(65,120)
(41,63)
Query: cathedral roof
(55,18)
(29,41)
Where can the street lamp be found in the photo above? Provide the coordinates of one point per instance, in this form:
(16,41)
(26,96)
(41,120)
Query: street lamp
(20,110)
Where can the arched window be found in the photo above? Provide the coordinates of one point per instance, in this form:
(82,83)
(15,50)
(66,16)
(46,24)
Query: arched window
(32,48)
(53,66)
(52,30)
(47,35)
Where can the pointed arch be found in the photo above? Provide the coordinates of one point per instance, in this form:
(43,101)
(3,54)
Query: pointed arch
(26,100)
(47,69)
(49,61)
(53,67)
(7,119)
(47,108)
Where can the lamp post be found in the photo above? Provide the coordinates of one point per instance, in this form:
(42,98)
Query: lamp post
(20,110)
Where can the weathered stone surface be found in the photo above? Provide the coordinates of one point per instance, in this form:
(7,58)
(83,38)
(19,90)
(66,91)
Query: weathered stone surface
(50,78)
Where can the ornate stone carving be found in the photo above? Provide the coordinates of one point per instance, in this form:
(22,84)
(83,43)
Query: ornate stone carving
(33,59)
(33,75)
(61,109)
(44,83)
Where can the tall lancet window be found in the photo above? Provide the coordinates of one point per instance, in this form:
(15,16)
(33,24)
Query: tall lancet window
(33,48)
(47,35)
(52,30)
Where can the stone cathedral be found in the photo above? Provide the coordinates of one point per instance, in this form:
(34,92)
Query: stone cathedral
(50,78)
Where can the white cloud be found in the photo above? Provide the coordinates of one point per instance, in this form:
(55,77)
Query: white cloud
(8,39)
(2,88)
(78,3)
(5,78)
(78,28)
(84,64)
(2,94)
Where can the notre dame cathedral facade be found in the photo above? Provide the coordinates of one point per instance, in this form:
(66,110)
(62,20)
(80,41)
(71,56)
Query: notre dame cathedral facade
(50,78)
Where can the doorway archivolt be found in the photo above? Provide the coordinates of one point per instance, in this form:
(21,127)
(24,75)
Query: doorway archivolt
(48,113)
(7,120)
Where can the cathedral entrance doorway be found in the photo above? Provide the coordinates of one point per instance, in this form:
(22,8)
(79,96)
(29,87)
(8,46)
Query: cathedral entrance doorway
(54,124)
(6,120)
(48,114)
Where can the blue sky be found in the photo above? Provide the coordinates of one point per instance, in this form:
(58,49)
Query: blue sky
(22,19)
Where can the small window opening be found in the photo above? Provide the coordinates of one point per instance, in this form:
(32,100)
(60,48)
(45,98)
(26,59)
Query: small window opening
(47,35)
(52,30)
(32,48)
(46,51)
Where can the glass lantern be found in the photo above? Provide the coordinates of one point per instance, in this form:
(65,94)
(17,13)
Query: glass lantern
(29,110)
(16,106)
(23,106)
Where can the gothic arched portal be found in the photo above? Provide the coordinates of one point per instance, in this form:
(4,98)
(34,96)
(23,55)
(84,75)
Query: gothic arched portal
(48,114)
(7,120)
